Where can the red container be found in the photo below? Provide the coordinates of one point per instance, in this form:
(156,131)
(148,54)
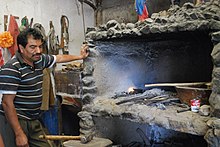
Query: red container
(195,105)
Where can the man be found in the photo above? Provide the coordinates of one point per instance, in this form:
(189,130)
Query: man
(21,85)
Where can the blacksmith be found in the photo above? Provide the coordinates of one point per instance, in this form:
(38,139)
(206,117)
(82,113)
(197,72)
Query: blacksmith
(21,85)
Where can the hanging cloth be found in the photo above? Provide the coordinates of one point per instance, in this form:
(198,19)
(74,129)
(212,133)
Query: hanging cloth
(14,31)
(48,98)
(141,9)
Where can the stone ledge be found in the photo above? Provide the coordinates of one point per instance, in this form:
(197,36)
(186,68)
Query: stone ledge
(186,122)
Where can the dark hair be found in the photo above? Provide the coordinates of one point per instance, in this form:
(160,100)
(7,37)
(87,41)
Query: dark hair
(22,38)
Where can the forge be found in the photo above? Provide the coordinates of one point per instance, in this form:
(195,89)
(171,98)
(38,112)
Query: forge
(179,47)
(170,58)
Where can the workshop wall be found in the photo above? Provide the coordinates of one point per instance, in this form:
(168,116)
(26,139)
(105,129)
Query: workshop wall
(51,10)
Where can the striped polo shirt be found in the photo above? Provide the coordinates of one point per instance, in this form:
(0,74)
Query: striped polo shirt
(17,77)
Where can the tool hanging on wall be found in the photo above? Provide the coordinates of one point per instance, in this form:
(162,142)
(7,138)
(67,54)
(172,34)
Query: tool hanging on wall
(64,40)
(5,22)
(77,6)
(53,41)
(83,21)
(92,5)
(25,23)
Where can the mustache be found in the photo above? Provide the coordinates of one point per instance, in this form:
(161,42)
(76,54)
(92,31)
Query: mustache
(38,54)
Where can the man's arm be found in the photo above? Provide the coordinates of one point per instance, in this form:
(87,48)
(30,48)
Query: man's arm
(67,58)
(1,141)
(12,118)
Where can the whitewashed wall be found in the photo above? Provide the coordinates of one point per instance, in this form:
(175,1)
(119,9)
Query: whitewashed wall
(44,11)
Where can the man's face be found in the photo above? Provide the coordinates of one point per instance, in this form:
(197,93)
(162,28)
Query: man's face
(32,51)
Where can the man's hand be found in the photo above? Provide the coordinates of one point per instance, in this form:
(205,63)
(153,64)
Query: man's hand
(84,52)
(21,139)
(68,58)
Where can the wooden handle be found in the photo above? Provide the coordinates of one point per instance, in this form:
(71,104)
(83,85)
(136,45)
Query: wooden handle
(59,137)
(175,84)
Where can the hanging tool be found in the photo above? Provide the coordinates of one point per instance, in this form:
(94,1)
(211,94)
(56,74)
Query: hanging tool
(64,43)
(25,23)
(83,21)
(88,42)
(5,22)
(77,5)
(31,23)
(83,15)
(53,40)
(90,3)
